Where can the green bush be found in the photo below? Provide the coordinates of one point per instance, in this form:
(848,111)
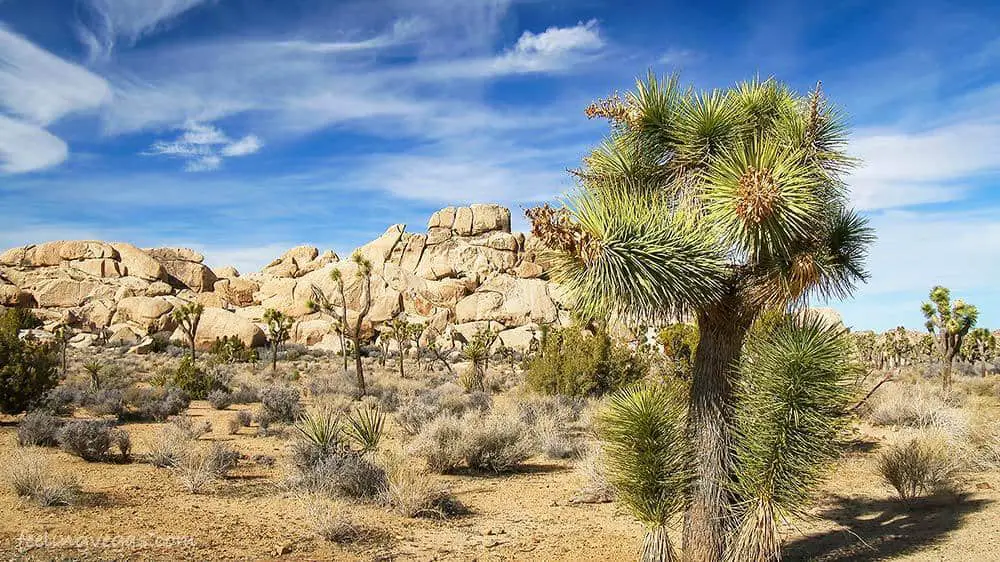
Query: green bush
(231,349)
(28,369)
(575,363)
(190,378)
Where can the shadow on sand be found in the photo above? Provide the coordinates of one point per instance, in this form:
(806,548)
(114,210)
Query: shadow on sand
(878,529)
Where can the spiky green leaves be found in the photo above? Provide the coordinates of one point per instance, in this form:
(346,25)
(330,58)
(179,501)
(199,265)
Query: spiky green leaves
(762,198)
(638,259)
(647,450)
(791,399)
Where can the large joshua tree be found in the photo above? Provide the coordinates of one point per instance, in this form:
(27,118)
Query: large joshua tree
(950,323)
(715,206)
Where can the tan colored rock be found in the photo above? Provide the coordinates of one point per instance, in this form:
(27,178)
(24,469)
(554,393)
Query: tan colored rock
(56,252)
(444,218)
(175,254)
(378,251)
(159,289)
(195,276)
(519,339)
(19,256)
(490,217)
(478,306)
(100,267)
(217,323)
(438,235)
(98,313)
(137,263)
(237,291)
(12,295)
(463,221)
(528,270)
(67,293)
(502,241)
(412,253)
(464,332)
(122,334)
(147,314)
(829,315)
(228,272)
(312,332)
(330,343)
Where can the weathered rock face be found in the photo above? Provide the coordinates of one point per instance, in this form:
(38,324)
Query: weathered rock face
(184,268)
(217,323)
(466,272)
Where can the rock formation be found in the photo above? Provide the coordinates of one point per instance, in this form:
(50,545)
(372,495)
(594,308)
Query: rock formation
(468,270)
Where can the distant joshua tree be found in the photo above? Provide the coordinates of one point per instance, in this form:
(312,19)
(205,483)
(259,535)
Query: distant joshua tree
(279,328)
(321,302)
(364,273)
(188,317)
(950,323)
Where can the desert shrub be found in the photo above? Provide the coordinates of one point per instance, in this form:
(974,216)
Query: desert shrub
(448,398)
(231,349)
(984,441)
(106,402)
(575,363)
(243,418)
(498,442)
(920,466)
(220,399)
(410,493)
(63,398)
(39,428)
(592,473)
(168,446)
(495,441)
(919,406)
(91,440)
(191,427)
(245,394)
(28,369)
(440,442)
(331,524)
(190,378)
(279,404)
(154,404)
(31,476)
(341,473)
(20,318)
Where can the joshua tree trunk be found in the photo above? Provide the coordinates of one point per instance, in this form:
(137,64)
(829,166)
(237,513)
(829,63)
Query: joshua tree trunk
(274,357)
(656,546)
(358,367)
(722,328)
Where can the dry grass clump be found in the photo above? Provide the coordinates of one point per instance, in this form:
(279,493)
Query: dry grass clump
(168,446)
(495,441)
(201,466)
(190,427)
(447,399)
(329,522)
(920,466)
(31,476)
(595,486)
(411,493)
(921,406)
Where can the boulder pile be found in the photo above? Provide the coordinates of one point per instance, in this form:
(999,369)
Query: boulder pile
(466,272)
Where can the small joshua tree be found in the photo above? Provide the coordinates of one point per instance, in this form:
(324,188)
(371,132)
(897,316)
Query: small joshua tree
(364,274)
(416,330)
(980,346)
(949,322)
(187,317)
(63,334)
(339,313)
(279,327)
(399,330)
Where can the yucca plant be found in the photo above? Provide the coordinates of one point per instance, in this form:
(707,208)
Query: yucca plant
(649,459)
(713,206)
(321,428)
(795,386)
(365,427)
(93,368)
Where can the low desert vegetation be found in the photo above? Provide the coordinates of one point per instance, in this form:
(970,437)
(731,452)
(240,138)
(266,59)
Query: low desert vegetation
(32,476)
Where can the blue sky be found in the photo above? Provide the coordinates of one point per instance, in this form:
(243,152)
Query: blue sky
(245,127)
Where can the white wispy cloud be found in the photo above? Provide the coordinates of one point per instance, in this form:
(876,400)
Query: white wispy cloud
(128,20)
(551,49)
(38,88)
(25,147)
(203,147)
(934,165)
